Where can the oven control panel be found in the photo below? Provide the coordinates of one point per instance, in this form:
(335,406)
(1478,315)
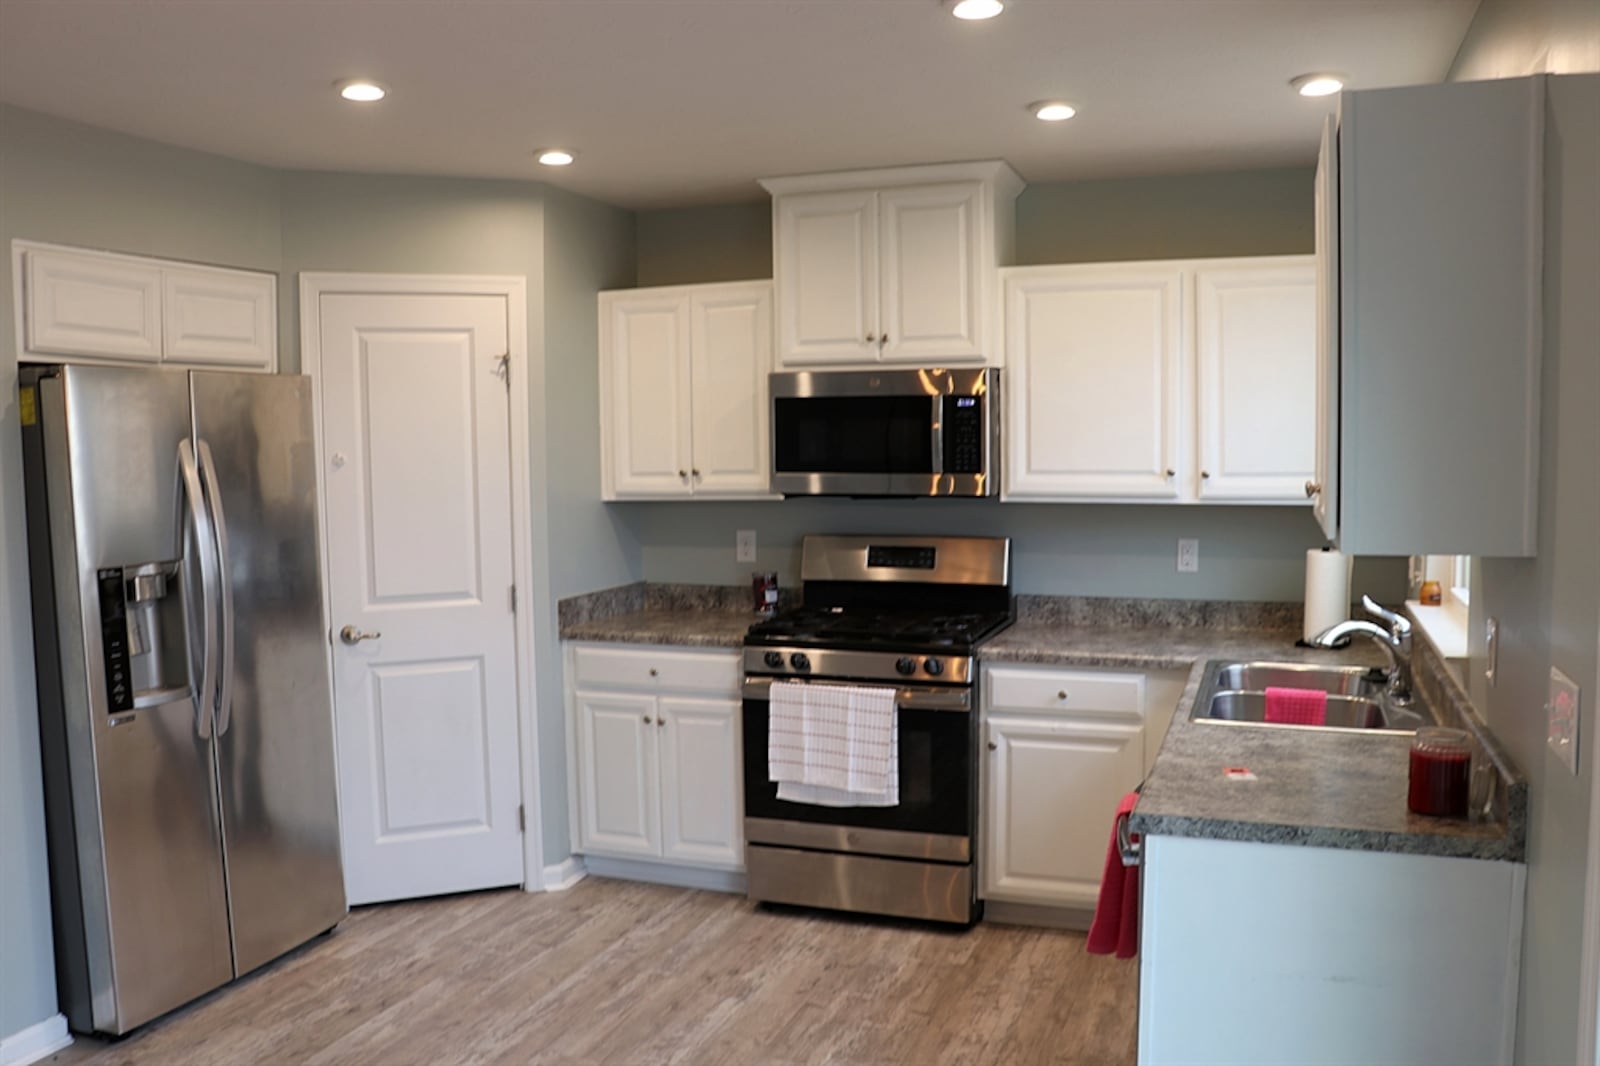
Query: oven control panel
(863,666)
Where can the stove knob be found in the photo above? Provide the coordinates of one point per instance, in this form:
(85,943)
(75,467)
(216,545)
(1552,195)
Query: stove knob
(905,666)
(773,659)
(800,661)
(935,667)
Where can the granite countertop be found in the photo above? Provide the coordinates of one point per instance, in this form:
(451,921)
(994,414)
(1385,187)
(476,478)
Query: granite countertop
(1313,788)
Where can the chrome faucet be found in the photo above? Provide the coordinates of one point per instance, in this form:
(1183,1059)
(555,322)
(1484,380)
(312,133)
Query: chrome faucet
(1394,639)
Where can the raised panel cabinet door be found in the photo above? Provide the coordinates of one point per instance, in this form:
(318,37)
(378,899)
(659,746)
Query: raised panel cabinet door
(930,284)
(92,305)
(220,318)
(645,394)
(1256,345)
(1053,789)
(1324,487)
(618,799)
(826,261)
(731,356)
(1096,392)
(702,809)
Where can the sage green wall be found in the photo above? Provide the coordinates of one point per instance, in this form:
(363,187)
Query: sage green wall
(73,184)
(1546,605)
(588,247)
(1246,553)
(1511,38)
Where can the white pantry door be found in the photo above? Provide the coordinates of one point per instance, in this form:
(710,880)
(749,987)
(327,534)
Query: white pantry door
(416,448)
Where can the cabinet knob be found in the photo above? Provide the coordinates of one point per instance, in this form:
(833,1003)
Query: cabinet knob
(993,746)
(647,719)
(1312,488)
(661,720)
(883,339)
(683,474)
(1172,473)
(654,672)
(871,339)
(694,473)
(1205,473)
(1061,695)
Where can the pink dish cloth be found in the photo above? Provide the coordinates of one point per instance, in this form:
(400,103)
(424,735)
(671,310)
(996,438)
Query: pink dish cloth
(1115,928)
(1296,706)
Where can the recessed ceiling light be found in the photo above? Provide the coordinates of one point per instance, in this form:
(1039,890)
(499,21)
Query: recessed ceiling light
(361,91)
(1317,84)
(1052,110)
(973,10)
(555,157)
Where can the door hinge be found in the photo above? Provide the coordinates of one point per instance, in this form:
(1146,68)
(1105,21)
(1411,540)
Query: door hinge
(522,818)
(513,599)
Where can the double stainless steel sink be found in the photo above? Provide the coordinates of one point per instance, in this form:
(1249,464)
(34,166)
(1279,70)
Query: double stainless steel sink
(1235,693)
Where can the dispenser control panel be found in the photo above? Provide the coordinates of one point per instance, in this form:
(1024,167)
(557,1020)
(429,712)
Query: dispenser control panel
(114,640)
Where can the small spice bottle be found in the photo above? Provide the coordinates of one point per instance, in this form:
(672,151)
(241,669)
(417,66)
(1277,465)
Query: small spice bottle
(1432,594)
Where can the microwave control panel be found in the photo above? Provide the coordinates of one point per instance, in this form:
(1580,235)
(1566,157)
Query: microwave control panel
(963,435)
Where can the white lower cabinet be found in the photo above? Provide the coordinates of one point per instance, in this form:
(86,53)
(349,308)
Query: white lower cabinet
(1255,954)
(1062,747)
(656,760)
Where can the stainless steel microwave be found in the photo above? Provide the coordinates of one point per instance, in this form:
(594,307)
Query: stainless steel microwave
(886,432)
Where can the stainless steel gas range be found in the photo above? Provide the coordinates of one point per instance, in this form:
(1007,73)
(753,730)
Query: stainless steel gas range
(901,612)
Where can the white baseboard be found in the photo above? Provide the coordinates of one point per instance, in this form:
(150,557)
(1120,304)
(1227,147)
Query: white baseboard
(1036,914)
(666,874)
(563,875)
(35,1042)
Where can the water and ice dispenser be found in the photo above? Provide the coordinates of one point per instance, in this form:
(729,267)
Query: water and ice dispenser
(143,635)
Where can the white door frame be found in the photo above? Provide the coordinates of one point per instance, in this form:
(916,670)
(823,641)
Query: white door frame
(313,286)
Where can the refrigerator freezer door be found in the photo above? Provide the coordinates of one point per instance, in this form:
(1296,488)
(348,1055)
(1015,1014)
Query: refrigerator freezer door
(274,740)
(151,901)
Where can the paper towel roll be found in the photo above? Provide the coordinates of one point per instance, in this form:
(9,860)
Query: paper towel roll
(1327,590)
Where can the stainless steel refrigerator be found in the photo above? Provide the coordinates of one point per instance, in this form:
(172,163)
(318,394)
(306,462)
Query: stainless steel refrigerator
(184,704)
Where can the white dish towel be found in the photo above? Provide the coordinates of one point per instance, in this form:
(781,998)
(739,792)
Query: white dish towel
(834,745)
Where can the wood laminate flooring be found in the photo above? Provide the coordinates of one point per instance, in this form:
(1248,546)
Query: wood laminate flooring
(625,973)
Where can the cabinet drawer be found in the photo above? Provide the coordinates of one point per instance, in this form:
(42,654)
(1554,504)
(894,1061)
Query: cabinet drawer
(1066,691)
(657,669)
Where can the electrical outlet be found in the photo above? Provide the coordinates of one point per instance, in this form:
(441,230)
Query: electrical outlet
(1561,716)
(1188,556)
(744,542)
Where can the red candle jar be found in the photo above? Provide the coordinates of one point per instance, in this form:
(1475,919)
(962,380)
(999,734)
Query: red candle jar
(1441,770)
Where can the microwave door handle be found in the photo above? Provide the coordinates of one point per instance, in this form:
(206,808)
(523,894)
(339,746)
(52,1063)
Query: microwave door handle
(937,424)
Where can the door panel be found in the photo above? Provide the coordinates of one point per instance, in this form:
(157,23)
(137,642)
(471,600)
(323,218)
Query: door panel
(702,817)
(732,355)
(1053,789)
(1256,328)
(618,809)
(280,807)
(931,285)
(647,376)
(827,260)
(416,441)
(1086,341)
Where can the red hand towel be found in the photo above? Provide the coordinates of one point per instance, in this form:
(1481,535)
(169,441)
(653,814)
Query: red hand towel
(1297,706)
(1116,916)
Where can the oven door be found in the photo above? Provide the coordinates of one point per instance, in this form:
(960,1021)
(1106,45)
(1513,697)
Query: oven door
(881,433)
(937,815)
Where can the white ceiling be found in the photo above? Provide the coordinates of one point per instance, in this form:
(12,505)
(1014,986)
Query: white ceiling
(673,102)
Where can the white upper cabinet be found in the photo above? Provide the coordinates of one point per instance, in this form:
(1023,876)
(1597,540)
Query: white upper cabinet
(1095,397)
(78,305)
(1255,327)
(220,318)
(827,253)
(1324,487)
(1440,262)
(1178,381)
(895,265)
(83,304)
(683,391)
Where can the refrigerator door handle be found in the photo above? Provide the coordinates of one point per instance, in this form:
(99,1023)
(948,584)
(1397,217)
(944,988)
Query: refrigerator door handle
(203,543)
(219,528)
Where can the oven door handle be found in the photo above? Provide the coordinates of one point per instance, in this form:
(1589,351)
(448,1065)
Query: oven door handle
(907,697)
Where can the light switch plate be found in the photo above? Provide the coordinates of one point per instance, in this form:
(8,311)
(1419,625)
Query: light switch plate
(745,546)
(1562,716)
(1188,556)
